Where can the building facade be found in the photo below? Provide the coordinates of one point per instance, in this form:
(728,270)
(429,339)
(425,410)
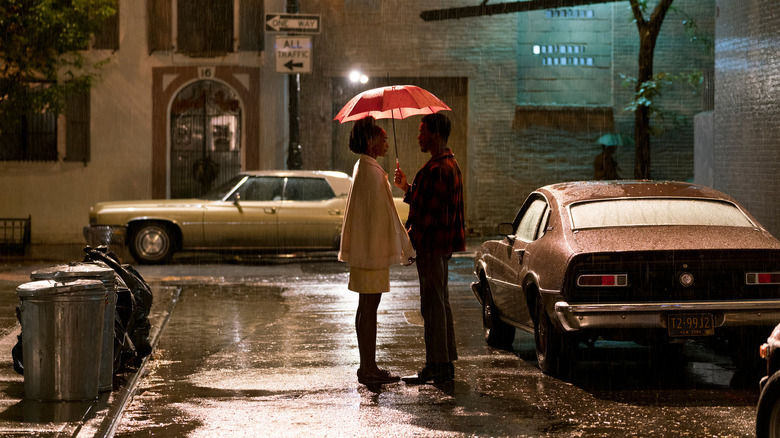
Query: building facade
(186,101)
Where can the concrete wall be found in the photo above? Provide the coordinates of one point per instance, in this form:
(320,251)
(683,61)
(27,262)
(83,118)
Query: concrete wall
(747,108)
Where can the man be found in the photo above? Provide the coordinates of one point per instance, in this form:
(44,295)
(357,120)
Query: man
(436,229)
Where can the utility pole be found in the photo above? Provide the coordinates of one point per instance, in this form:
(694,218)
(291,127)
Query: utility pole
(294,153)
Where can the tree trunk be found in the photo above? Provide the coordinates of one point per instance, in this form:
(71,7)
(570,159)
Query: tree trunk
(648,34)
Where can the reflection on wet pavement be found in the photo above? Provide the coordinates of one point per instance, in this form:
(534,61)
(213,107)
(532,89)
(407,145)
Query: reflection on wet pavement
(270,350)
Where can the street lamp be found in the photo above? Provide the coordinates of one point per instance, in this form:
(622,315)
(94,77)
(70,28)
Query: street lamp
(357,76)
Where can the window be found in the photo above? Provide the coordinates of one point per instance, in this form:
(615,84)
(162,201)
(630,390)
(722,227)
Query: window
(262,189)
(77,128)
(160,25)
(107,37)
(570,13)
(656,212)
(205,27)
(307,189)
(31,137)
(529,222)
(251,26)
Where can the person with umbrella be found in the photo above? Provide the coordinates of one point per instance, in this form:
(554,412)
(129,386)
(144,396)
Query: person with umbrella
(372,239)
(436,229)
(604,165)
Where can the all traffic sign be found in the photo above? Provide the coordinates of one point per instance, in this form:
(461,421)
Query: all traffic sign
(293,54)
(293,23)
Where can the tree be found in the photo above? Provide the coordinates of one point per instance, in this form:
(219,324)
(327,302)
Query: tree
(41,58)
(648,35)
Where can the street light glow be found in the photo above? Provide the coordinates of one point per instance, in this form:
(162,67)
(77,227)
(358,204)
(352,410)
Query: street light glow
(357,76)
(354,76)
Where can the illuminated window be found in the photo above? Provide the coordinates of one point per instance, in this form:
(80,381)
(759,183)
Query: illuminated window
(569,13)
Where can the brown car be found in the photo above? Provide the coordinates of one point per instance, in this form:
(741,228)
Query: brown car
(644,261)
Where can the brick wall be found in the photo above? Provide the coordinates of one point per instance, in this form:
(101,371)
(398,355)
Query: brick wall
(747,83)
(501,160)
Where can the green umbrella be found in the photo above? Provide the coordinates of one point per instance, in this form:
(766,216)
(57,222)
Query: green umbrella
(615,139)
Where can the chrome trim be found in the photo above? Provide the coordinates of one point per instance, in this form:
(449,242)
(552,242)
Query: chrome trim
(108,235)
(653,315)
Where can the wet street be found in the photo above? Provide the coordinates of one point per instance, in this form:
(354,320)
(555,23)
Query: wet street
(269,349)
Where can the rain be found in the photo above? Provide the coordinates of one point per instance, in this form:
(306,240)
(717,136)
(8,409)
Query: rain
(191,93)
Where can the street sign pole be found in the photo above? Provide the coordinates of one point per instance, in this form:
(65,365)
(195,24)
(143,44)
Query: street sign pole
(294,152)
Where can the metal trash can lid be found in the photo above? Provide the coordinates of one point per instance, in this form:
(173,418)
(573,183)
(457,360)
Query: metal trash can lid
(43,288)
(74,270)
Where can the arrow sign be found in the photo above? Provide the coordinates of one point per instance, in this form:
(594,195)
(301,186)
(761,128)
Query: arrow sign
(293,54)
(293,65)
(293,23)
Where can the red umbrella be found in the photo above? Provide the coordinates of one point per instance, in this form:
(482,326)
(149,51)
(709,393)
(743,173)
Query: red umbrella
(391,102)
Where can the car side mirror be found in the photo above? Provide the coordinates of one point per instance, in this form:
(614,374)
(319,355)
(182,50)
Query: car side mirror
(236,202)
(506,229)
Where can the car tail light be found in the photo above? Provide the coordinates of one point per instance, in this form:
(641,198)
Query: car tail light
(762,278)
(602,280)
(763,351)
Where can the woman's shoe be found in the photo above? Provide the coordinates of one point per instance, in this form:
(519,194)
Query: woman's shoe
(379,377)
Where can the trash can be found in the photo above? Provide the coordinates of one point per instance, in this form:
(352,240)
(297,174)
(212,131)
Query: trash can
(62,331)
(92,271)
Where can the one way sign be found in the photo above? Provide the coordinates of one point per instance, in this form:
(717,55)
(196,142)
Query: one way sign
(293,54)
(292,23)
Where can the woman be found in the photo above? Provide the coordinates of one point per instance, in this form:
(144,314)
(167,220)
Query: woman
(372,239)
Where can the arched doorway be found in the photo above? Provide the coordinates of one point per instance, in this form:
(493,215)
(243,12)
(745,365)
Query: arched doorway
(205,141)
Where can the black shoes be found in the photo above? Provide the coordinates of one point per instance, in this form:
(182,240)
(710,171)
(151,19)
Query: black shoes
(432,373)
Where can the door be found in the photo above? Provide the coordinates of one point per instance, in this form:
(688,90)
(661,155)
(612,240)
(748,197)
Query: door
(205,141)
(310,215)
(248,219)
(510,269)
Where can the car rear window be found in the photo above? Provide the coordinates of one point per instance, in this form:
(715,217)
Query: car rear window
(654,212)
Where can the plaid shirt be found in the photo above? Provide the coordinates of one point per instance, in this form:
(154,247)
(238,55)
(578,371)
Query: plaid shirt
(435,198)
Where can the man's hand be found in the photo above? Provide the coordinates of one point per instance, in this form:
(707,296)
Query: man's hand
(400,180)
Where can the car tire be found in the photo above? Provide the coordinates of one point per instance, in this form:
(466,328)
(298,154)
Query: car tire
(498,334)
(554,352)
(768,410)
(152,243)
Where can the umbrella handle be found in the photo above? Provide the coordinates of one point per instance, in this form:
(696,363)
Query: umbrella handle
(395,140)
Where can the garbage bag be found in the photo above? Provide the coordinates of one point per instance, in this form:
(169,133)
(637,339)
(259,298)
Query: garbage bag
(134,302)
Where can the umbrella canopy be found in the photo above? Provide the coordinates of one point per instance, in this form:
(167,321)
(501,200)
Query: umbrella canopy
(394,101)
(614,139)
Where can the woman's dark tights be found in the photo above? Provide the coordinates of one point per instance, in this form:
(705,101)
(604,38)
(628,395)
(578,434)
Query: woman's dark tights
(365,325)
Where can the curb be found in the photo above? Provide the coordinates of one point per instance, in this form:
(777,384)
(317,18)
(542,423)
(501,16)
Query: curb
(110,422)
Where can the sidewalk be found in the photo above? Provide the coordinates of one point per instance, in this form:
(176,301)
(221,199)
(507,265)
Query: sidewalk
(22,417)
(98,418)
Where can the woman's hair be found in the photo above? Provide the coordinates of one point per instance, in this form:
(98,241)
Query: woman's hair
(364,130)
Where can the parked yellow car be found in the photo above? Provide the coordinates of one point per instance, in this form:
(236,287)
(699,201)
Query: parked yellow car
(261,211)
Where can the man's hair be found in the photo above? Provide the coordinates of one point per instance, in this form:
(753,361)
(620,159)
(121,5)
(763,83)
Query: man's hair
(438,123)
(364,130)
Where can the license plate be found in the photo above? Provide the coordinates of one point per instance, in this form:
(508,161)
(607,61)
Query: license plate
(691,324)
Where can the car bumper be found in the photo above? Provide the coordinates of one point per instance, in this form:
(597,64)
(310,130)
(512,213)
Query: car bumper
(107,235)
(574,317)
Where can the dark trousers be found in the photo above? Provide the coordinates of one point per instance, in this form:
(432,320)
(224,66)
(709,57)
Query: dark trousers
(435,308)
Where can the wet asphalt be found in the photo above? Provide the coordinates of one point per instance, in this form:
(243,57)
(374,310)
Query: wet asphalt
(255,348)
